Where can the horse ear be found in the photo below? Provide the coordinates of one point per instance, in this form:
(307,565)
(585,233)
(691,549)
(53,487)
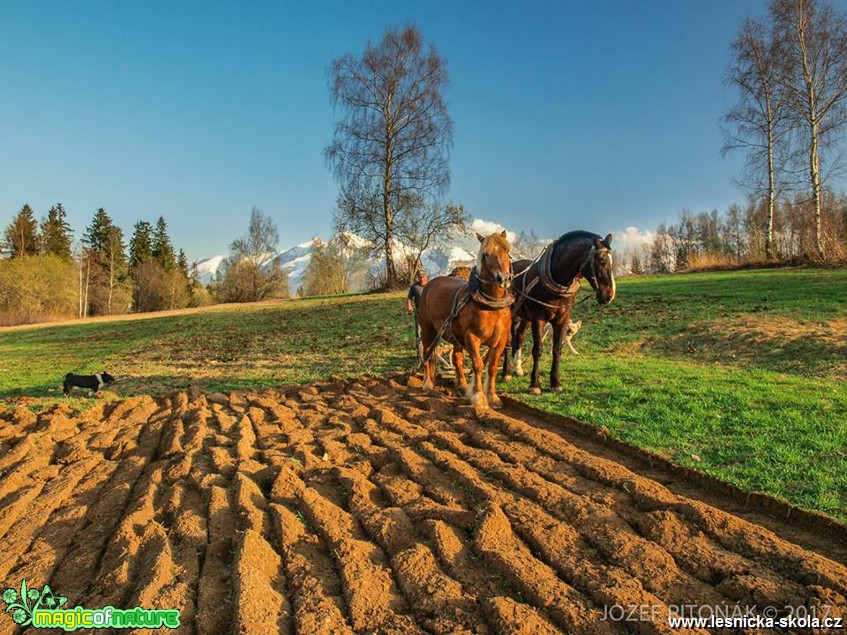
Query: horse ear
(503,233)
(608,241)
(479,238)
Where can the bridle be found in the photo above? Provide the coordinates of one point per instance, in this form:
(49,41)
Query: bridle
(507,279)
(590,258)
(485,300)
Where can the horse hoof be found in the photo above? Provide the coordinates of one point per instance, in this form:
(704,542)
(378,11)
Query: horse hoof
(557,389)
(507,378)
(495,402)
(535,390)
(479,402)
(519,372)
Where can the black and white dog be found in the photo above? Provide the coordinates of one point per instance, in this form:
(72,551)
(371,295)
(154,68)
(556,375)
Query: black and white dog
(92,382)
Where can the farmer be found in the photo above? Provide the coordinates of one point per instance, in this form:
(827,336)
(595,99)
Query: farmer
(415,291)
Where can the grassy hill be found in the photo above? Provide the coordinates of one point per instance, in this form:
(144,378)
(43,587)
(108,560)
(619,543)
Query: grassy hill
(740,374)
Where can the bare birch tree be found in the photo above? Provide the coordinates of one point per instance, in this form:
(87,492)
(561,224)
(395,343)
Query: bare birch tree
(430,224)
(394,135)
(758,124)
(812,40)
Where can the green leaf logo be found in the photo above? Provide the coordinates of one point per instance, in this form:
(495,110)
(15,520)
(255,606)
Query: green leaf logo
(30,599)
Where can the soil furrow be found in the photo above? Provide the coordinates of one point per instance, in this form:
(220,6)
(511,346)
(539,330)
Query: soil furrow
(33,509)
(77,571)
(439,601)
(215,590)
(316,589)
(729,531)
(258,576)
(601,527)
(373,599)
(372,506)
(54,541)
(709,563)
(537,582)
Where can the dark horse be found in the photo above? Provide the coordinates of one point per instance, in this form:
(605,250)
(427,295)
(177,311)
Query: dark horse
(468,315)
(545,289)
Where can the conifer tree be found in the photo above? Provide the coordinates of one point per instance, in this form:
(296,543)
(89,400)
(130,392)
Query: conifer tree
(163,249)
(56,233)
(141,243)
(104,245)
(22,237)
(182,262)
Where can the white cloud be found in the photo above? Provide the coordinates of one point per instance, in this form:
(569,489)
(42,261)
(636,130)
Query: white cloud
(631,238)
(487,227)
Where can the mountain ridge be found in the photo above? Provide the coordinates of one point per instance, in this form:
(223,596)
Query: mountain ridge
(456,250)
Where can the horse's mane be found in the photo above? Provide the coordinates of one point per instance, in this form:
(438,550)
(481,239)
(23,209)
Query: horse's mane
(487,247)
(571,236)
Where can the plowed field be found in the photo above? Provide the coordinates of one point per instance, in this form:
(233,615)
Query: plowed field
(368,506)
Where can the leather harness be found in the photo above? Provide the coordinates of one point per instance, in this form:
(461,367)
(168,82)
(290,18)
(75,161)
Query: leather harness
(473,292)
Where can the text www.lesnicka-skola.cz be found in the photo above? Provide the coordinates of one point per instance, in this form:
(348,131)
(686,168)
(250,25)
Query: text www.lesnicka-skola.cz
(727,616)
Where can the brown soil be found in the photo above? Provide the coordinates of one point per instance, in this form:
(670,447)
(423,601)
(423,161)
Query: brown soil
(371,506)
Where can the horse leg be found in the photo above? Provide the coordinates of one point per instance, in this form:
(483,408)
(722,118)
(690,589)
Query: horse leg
(459,366)
(476,394)
(517,343)
(507,372)
(535,384)
(558,333)
(427,338)
(492,360)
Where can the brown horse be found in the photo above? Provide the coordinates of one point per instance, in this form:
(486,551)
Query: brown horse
(545,289)
(468,315)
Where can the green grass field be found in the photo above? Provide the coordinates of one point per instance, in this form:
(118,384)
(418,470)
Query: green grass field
(740,374)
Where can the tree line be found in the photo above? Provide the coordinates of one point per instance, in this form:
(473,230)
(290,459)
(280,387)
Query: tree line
(739,236)
(389,154)
(44,276)
(102,275)
(789,70)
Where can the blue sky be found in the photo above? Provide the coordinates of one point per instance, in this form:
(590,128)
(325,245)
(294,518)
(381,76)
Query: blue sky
(596,115)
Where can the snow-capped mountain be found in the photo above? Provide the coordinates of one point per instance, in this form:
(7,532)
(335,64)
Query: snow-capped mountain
(294,261)
(457,250)
(208,267)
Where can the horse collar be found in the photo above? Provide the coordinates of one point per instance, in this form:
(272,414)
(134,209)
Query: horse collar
(483,299)
(545,271)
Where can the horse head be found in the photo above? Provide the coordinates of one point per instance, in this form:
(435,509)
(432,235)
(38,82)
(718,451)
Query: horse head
(493,262)
(597,269)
